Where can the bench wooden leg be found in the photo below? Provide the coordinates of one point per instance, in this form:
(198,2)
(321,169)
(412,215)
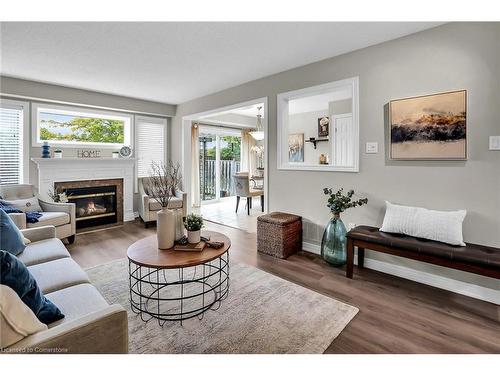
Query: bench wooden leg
(361,257)
(350,259)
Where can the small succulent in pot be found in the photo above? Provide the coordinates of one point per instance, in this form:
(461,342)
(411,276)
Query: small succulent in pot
(193,224)
(339,202)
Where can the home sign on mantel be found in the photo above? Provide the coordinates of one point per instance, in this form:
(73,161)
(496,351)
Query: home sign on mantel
(88,153)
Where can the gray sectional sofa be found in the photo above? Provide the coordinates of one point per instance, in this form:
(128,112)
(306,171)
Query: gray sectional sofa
(90,325)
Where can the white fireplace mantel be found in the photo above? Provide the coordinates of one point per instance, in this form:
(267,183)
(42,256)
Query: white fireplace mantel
(52,170)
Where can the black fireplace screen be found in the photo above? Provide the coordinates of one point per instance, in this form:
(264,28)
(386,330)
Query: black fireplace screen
(94,205)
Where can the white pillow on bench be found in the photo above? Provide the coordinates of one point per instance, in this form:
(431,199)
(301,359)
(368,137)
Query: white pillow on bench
(443,226)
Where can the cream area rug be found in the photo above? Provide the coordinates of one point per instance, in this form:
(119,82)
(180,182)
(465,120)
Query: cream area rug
(262,314)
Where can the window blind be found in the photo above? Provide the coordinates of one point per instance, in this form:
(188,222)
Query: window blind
(150,143)
(11,144)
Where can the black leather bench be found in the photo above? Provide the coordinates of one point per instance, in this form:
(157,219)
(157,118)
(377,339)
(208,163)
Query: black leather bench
(478,259)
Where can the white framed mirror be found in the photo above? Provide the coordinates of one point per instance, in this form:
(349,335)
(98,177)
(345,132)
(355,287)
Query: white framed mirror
(318,127)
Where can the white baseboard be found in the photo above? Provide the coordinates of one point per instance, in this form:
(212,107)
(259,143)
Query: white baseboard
(129,216)
(311,248)
(456,286)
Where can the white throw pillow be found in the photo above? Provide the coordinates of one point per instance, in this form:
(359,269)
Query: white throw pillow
(25,205)
(443,226)
(16,319)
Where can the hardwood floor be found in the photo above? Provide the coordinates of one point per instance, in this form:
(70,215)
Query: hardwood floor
(396,315)
(223,212)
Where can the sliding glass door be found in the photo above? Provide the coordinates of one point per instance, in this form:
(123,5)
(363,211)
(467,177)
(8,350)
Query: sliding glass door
(220,152)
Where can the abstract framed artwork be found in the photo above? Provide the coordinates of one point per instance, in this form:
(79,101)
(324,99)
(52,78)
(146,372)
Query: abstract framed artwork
(296,147)
(429,127)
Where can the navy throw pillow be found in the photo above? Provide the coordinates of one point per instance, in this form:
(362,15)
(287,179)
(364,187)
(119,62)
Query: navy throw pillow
(15,275)
(11,238)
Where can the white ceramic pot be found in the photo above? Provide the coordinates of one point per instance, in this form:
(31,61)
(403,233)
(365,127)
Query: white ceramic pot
(194,236)
(165,228)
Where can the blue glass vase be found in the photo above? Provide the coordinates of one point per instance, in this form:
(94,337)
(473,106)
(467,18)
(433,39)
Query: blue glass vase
(333,244)
(45,150)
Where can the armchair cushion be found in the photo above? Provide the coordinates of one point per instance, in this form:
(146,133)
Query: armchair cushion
(51,218)
(174,203)
(25,205)
(20,217)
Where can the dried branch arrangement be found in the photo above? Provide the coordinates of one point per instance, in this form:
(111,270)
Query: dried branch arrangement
(164,180)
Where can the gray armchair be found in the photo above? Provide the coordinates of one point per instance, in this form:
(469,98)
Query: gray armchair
(60,215)
(242,189)
(149,206)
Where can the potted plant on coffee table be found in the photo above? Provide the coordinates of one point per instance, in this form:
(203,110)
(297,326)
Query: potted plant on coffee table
(193,224)
(164,180)
(333,243)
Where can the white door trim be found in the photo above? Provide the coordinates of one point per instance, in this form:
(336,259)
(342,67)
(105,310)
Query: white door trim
(186,145)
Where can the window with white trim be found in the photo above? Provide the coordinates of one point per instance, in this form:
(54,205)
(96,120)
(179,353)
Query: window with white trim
(65,126)
(13,142)
(318,127)
(151,134)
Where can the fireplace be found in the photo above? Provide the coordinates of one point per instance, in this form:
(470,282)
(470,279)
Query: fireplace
(99,203)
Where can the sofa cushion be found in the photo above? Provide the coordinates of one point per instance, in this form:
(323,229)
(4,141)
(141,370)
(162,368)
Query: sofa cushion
(16,319)
(43,251)
(11,238)
(15,275)
(174,203)
(51,218)
(77,301)
(58,274)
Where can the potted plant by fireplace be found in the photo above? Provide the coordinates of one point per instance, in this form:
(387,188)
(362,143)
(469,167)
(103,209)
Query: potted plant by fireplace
(164,180)
(333,243)
(193,224)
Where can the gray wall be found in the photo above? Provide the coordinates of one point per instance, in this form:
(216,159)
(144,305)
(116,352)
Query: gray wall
(449,57)
(341,107)
(16,89)
(21,87)
(307,123)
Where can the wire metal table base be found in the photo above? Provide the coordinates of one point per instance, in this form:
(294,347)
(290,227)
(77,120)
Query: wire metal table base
(180,293)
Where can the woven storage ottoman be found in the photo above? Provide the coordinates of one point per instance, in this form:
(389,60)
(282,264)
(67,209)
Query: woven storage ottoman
(279,234)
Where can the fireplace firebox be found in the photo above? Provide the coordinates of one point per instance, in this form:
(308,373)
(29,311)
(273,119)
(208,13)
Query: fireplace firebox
(98,202)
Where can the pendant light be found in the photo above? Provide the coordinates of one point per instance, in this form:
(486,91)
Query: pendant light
(258,133)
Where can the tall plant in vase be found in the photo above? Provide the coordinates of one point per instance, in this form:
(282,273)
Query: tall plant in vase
(333,243)
(163,182)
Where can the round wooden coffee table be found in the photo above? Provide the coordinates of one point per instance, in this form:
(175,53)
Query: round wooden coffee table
(172,285)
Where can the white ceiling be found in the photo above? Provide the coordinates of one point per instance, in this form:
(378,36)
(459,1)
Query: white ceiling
(177,62)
